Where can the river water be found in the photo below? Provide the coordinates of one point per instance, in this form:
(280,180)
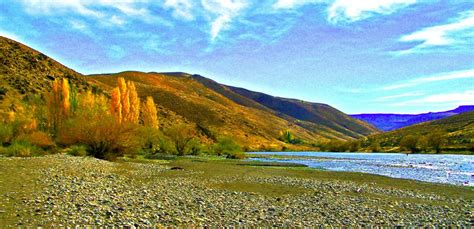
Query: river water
(443,168)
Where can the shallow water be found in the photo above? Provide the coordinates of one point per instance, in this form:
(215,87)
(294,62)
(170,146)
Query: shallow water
(445,168)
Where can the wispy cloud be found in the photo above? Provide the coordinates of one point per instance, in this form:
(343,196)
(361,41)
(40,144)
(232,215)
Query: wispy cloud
(290,4)
(350,10)
(343,11)
(182,9)
(457,32)
(466,74)
(107,12)
(403,95)
(455,99)
(225,11)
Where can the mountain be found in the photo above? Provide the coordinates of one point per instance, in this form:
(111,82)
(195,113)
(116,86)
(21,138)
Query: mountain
(25,71)
(457,130)
(387,122)
(214,109)
(219,109)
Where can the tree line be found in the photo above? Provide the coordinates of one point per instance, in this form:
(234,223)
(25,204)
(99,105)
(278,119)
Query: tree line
(90,123)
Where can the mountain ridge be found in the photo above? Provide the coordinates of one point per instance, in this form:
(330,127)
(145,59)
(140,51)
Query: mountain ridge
(390,121)
(213,108)
(457,131)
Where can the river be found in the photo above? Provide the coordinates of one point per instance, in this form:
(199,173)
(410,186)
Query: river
(440,168)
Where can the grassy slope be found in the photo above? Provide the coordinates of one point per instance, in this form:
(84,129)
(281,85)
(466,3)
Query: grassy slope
(458,130)
(326,121)
(24,71)
(208,109)
(317,113)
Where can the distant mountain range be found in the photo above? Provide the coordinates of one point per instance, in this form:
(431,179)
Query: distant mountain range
(253,119)
(388,122)
(457,131)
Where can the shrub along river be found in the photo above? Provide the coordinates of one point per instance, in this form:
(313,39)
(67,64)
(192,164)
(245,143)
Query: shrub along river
(442,168)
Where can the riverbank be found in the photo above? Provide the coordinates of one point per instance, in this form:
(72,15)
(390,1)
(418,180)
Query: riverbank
(61,189)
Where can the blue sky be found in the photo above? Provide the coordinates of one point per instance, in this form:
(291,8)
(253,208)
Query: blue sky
(402,56)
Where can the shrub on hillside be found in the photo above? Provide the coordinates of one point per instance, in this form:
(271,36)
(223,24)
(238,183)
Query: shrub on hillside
(103,136)
(375,146)
(287,137)
(181,136)
(354,146)
(229,148)
(156,144)
(21,149)
(470,147)
(77,150)
(39,139)
(409,142)
(6,134)
(436,141)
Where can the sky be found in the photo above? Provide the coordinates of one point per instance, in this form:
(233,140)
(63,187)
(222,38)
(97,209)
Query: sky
(384,56)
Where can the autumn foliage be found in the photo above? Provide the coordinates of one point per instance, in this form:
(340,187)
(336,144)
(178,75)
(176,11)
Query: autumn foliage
(149,113)
(125,103)
(103,127)
(58,101)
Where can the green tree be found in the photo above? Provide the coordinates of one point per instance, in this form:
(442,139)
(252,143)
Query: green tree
(228,147)
(287,137)
(181,135)
(436,141)
(423,144)
(354,146)
(375,146)
(409,142)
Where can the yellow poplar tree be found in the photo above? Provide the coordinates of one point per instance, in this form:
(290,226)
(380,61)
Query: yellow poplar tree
(58,103)
(134,112)
(125,101)
(124,97)
(149,113)
(116,106)
(87,100)
(65,99)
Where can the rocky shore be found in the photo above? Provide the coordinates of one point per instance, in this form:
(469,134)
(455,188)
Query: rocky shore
(66,190)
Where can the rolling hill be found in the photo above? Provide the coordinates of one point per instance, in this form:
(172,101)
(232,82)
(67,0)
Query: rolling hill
(24,71)
(214,109)
(457,130)
(387,122)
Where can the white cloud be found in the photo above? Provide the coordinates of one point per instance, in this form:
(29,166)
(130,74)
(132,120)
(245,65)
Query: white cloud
(404,95)
(225,11)
(52,6)
(181,8)
(107,11)
(459,31)
(290,4)
(466,74)
(455,99)
(350,10)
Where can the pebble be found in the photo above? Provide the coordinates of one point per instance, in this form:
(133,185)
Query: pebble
(88,191)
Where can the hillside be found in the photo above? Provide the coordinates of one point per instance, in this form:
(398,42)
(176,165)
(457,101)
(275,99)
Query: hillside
(214,109)
(457,130)
(24,71)
(387,122)
(317,113)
